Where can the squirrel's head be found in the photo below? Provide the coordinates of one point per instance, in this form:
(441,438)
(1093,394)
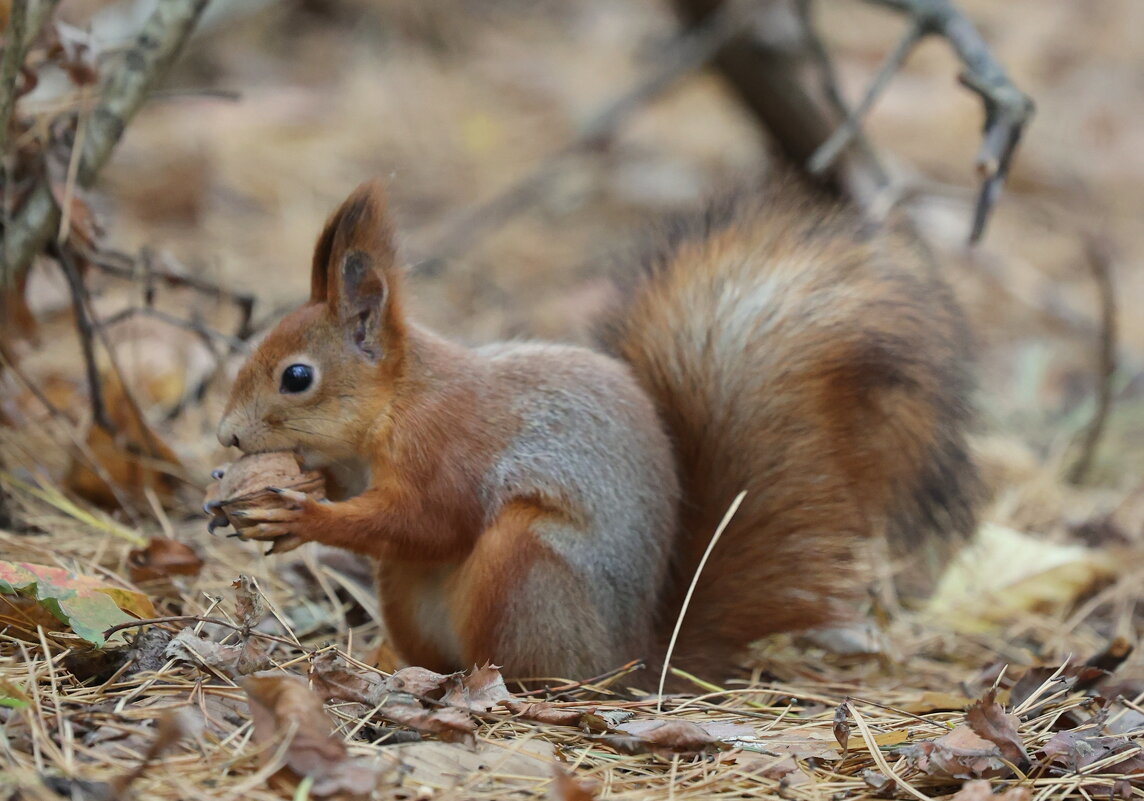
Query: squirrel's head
(328,370)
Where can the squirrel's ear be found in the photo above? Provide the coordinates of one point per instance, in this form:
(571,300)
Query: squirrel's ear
(355,270)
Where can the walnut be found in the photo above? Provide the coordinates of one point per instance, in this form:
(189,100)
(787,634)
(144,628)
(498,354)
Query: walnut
(245,484)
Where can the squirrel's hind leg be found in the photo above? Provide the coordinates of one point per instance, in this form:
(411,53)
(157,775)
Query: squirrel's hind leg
(526,607)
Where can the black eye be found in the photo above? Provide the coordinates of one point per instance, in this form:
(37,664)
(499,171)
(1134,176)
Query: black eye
(297,378)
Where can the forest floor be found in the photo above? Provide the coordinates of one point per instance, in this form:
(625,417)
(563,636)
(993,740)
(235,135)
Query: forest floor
(450,103)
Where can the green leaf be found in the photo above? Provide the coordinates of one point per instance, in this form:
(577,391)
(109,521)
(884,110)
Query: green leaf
(84,603)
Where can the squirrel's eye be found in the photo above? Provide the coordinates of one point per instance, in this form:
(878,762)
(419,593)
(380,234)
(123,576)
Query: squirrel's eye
(297,378)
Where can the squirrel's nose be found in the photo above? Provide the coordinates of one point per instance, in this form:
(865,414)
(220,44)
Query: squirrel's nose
(226,435)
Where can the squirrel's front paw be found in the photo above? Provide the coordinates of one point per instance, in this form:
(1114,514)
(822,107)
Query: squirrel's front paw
(297,521)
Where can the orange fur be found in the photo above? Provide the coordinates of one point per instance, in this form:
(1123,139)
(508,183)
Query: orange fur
(544,507)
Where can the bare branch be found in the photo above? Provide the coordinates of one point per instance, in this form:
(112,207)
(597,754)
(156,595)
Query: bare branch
(121,94)
(829,150)
(84,328)
(1007,109)
(10,67)
(1099,258)
(121,265)
(828,77)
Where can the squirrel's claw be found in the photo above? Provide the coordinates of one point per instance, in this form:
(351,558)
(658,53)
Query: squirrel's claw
(290,495)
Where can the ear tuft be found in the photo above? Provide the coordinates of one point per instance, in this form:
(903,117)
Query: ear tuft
(360,223)
(356,274)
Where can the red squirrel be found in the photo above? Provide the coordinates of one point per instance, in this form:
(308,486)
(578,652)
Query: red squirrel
(544,507)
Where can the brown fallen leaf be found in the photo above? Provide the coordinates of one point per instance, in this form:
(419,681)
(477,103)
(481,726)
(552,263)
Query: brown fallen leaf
(933,701)
(336,679)
(1033,681)
(173,725)
(1078,748)
(566,787)
(662,736)
(250,605)
(809,744)
(880,783)
(961,754)
(989,720)
(778,767)
(420,681)
(521,764)
(480,690)
(544,712)
(283,706)
(187,646)
(841,726)
(980,790)
(161,559)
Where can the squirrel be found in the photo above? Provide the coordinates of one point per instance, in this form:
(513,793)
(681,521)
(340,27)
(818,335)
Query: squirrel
(544,507)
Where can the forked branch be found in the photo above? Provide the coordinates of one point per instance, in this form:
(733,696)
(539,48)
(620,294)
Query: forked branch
(1007,109)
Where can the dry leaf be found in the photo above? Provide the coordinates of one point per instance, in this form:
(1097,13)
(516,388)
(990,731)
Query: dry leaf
(249,604)
(879,782)
(1023,573)
(662,737)
(566,787)
(281,705)
(1077,748)
(801,744)
(1034,679)
(980,790)
(251,656)
(841,726)
(961,754)
(174,725)
(481,690)
(523,764)
(544,712)
(781,767)
(989,720)
(198,650)
(88,606)
(161,559)
(934,701)
(334,678)
(420,681)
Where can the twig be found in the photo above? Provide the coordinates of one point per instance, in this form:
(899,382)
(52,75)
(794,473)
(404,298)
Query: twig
(134,624)
(10,66)
(84,328)
(828,77)
(690,52)
(204,332)
(1007,109)
(1099,258)
(121,265)
(121,94)
(829,150)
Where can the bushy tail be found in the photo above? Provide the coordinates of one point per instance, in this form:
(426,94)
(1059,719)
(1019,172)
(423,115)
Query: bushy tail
(823,370)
